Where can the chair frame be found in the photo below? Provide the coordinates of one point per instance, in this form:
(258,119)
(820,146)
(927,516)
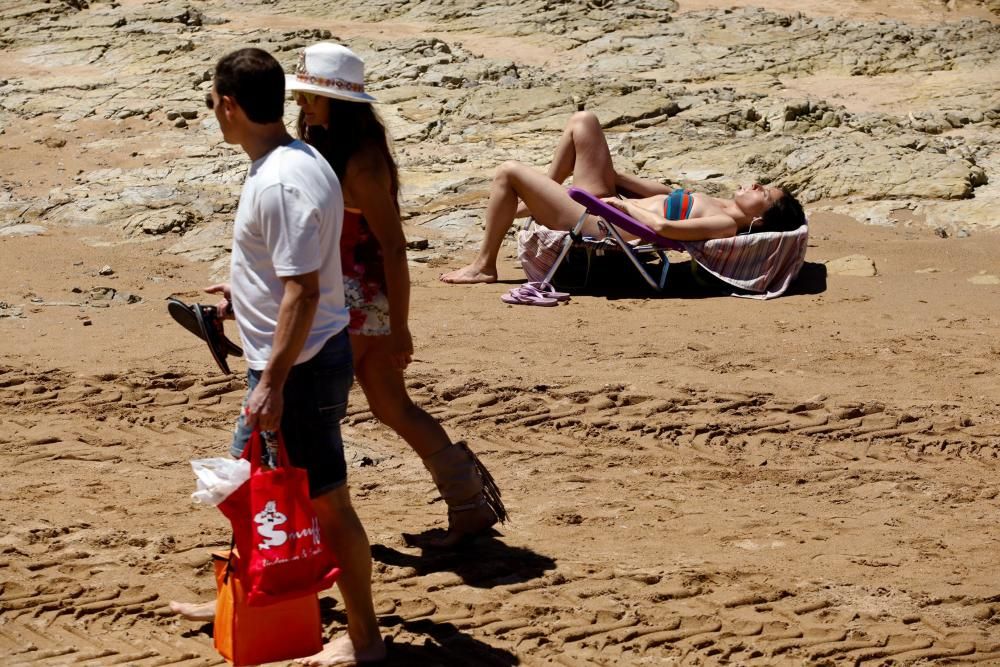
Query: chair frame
(610,220)
(655,279)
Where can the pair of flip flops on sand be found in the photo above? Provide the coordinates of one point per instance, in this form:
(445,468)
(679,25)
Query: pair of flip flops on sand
(205,323)
(534,294)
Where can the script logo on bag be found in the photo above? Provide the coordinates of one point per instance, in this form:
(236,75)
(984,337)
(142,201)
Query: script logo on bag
(267,520)
(277,532)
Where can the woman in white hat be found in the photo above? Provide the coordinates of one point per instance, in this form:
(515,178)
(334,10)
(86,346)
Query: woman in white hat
(338,119)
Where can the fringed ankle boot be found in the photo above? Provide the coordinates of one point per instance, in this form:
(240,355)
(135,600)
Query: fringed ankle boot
(473,499)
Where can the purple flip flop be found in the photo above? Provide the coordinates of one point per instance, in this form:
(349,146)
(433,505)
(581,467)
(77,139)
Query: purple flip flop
(547,290)
(534,294)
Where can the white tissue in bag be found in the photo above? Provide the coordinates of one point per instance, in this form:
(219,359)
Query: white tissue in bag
(217,478)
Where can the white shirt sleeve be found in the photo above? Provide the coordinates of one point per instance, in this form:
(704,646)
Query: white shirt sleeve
(289,224)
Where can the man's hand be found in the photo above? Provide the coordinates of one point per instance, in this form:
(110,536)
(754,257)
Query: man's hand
(264,407)
(225,307)
(400,347)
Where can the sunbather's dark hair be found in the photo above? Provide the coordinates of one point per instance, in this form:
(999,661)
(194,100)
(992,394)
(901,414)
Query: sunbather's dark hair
(256,81)
(784,215)
(354,126)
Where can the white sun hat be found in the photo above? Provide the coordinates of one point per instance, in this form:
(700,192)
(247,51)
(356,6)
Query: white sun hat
(330,70)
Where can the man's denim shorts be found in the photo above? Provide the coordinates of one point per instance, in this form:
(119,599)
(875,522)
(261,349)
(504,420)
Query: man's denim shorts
(315,402)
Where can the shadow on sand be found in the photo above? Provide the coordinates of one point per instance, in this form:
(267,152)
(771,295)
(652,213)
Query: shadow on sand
(484,562)
(623,282)
(436,643)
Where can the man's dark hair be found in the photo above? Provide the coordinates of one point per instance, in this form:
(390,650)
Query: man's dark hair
(256,81)
(784,215)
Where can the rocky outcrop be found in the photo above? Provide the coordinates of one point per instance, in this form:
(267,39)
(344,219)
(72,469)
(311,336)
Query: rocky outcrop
(705,99)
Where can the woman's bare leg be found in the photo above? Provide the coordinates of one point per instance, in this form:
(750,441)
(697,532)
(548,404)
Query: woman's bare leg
(391,404)
(582,152)
(547,201)
(388,399)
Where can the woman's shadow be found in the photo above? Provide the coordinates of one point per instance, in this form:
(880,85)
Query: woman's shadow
(482,562)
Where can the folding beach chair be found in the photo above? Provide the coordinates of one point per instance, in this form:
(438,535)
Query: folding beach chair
(544,252)
(610,220)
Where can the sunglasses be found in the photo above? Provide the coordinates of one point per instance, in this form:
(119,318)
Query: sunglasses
(209,102)
(304,98)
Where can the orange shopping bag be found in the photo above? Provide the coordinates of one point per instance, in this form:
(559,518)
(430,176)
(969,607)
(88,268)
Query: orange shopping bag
(246,635)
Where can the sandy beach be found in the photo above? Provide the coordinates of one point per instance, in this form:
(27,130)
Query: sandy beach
(692,479)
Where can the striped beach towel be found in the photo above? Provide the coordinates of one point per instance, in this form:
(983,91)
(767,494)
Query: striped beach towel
(538,248)
(763,264)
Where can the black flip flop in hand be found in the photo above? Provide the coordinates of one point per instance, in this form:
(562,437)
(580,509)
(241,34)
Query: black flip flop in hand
(205,323)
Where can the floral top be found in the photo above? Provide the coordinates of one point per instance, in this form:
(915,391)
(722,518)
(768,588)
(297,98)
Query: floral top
(365,288)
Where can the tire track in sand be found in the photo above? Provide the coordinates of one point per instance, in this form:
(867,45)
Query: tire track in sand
(86,589)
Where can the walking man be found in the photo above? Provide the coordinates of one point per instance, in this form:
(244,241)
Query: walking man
(287,296)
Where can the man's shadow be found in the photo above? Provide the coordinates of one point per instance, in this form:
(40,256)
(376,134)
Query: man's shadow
(482,562)
(435,643)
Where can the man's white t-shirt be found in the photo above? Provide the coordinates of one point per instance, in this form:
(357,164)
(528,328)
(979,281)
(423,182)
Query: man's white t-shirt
(288,223)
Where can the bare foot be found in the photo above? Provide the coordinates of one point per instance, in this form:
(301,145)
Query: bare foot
(468,275)
(341,651)
(194,611)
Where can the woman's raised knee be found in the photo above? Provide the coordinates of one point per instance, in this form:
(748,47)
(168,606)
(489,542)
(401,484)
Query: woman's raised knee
(584,120)
(507,169)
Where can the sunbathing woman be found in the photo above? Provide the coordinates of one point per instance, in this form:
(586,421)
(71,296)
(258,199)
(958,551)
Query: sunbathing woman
(337,118)
(583,153)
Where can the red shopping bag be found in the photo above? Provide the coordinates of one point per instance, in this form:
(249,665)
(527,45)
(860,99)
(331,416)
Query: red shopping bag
(275,526)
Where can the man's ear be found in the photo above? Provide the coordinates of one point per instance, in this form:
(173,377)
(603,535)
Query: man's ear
(229,105)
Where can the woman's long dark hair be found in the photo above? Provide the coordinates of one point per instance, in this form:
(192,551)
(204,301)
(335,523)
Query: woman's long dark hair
(784,215)
(354,126)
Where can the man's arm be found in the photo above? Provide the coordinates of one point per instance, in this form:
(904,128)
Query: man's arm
(295,318)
